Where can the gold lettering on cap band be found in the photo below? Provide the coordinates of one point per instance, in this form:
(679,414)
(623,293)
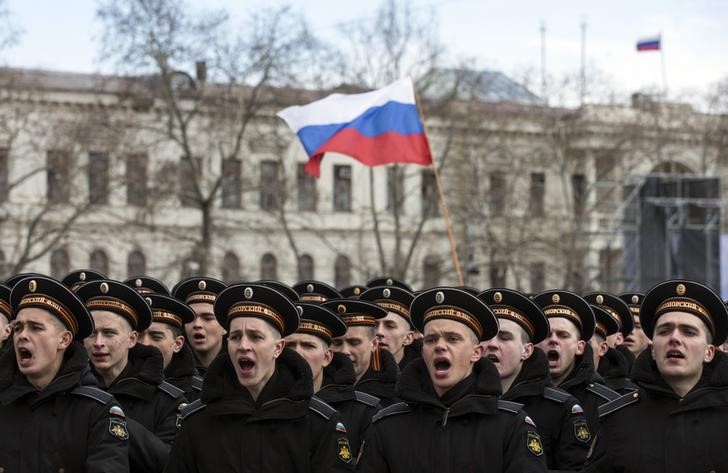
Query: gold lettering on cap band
(687,305)
(562,311)
(56,307)
(601,329)
(200,297)
(355,320)
(313,328)
(391,306)
(457,315)
(255,309)
(635,309)
(104,303)
(164,316)
(312,298)
(5,309)
(612,313)
(514,315)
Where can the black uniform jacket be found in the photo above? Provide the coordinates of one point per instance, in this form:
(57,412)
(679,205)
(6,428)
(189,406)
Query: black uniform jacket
(654,430)
(285,430)
(629,356)
(411,353)
(381,377)
(614,369)
(467,430)
(585,384)
(151,406)
(558,416)
(355,407)
(69,426)
(181,373)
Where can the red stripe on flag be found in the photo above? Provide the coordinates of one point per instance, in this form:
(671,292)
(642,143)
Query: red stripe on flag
(386,148)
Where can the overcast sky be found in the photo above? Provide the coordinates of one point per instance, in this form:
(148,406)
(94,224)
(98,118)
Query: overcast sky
(502,35)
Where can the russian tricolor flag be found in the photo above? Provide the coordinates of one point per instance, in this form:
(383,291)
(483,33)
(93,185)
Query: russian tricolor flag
(649,44)
(378,127)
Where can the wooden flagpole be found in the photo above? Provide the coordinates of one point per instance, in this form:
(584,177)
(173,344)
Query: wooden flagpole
(445,212)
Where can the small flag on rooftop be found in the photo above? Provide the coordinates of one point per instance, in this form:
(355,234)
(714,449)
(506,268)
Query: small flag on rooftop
(652,43)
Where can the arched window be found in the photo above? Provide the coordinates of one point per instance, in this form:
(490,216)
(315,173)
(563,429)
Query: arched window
(269,267)
(230,267)
(98,261)
(305,267)
(431,271)
(342,271)
(60,265)
(136,264)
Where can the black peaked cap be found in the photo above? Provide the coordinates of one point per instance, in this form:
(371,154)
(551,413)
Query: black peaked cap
(284,289)
(148,285)
(393,299)
(388,281)
(77,278)
(319,321)
(198,290)
(356,312)
(257,300)
(315,291)
(454,304)
(518,307)
(571,306)
(168,310)
(616,307)
(119,298)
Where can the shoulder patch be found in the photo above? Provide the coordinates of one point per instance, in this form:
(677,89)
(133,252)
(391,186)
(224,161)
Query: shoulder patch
(94,393)
(555,394)
(617,404)
(197,383)
(367,399)
(394,409)
(533,443)
(321,408)
(576,409)
(603,391)
(171,389)
(510,406)
(191,408)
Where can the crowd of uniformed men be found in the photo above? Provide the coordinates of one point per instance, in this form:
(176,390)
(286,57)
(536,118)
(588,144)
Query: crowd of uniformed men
(98,375)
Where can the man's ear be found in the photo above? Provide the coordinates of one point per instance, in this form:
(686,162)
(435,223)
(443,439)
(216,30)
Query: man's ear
(580,346)
(527,351)
(179,342)
(280,345)
(409,338)
(133,338)
(603,348)
(328,356)
(66,339)
(477,353)
(709,354)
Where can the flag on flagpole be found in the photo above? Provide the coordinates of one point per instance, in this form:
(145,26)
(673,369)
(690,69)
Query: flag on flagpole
(649,44)
(378,127)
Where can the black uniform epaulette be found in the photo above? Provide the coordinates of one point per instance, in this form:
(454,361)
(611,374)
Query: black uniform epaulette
(557,395)
(603,391)
(367,399)
(94,393)
(191,408)
(321,408)
(197,383)
(171,389)
(398,408)
(623,401)
(510,406)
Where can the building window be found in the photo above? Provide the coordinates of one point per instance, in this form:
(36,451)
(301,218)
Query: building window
(342,188)
(578,187)
(342,271)
(430,272)
(538,277)
(58,176)
(430,201)
(498,271)
(306,186)
(60,264)
(395,189)
(232,189)
(230,268)
(305,267)
(497,196)
(269,185)
(189,170)
(269,267)
(136,264)
(98,178)
(136,179)
(98,261)
(4,173)
(536,194)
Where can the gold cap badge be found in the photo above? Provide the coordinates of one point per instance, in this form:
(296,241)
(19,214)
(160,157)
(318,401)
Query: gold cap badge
(680,290)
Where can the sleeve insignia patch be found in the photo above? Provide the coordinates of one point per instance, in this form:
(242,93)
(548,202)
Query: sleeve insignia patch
(117,428)
(533,442)
(340,427)
(581,431)
(117,411)
(344,452)
(576,409)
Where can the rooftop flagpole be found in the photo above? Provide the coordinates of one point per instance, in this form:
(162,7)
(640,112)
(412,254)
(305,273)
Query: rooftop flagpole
(445,212)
